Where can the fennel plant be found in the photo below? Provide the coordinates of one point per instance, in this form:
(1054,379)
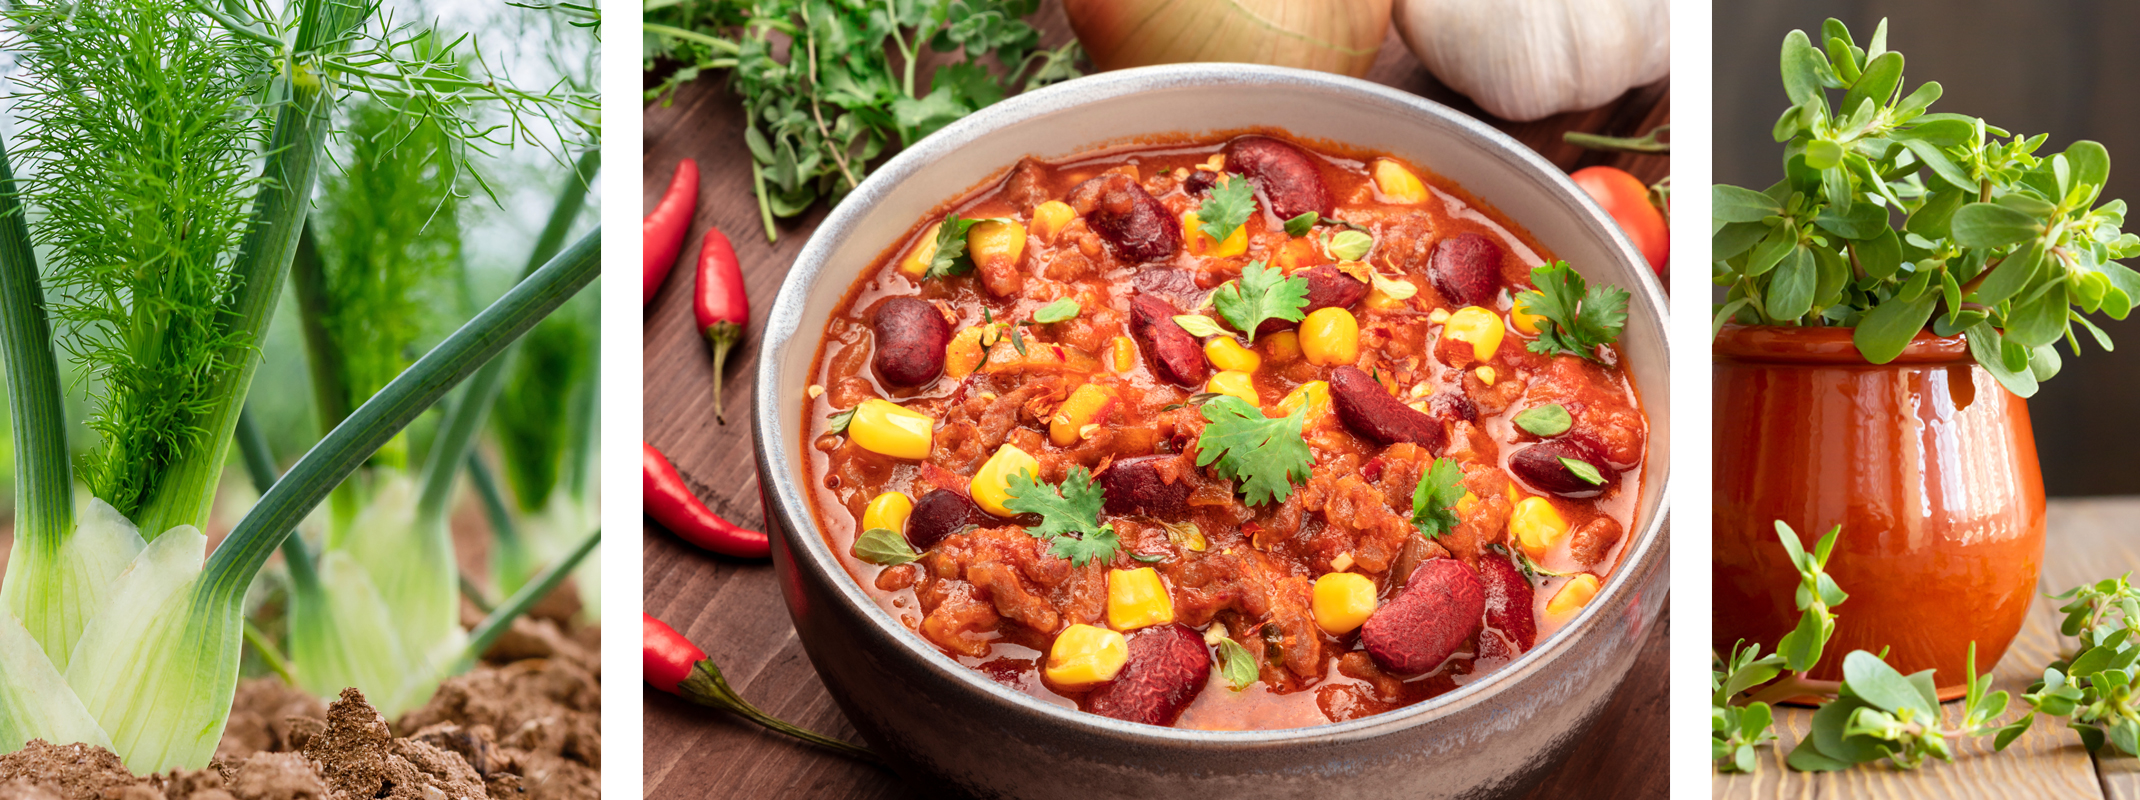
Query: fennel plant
(171,152)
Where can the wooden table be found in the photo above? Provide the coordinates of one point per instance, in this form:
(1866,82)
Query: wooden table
(2089,539)
(732,609)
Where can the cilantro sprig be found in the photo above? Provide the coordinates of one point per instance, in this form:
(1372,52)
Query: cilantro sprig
(1069,515)
(1226,208)
(1579,318)
(1259,295)
(1262,455)
(951,257)
(1434,502)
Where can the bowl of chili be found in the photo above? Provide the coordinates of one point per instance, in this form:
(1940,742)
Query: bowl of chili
(954,726)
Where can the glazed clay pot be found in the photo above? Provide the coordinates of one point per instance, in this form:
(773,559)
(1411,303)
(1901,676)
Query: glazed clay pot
(1927,463)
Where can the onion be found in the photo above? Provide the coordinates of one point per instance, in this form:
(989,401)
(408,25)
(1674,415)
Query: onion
(1341,36)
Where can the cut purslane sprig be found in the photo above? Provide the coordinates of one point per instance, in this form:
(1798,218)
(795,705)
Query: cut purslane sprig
(1998,240)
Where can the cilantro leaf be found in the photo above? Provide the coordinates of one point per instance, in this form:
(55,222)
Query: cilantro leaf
(951,258)
(1069,515)
(1226,208)
(1264,456)
(1434,502)
(1578,318)
(1259,295)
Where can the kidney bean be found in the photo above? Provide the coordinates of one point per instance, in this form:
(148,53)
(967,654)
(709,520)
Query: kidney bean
(939,514)
(1508,601)
(1288,177)
(1128,217)
(1200,181)
(1540,466)
(1135,486)
(1372,413)
(1167,667)
(911,336)
(1328,287)
(1452,406)
(1174,354)
(1466,269)
(1441,607)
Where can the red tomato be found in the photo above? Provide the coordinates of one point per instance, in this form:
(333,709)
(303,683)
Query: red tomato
(1627,199)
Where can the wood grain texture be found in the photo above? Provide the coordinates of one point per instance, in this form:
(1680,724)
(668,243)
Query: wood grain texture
(732,609)
(2088,539)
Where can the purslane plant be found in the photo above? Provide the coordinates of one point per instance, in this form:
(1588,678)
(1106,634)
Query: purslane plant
(1877,713)
(137,639)
(1998,241)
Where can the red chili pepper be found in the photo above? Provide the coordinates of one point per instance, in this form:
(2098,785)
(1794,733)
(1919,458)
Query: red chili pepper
(672,504)
(663,230)
(669,656)
(676,666)
(720,304)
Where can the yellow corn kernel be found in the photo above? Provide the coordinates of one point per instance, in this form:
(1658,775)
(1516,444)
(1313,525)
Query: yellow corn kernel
(996,244)
(1282,347)
(1465,504)
(1137,599)
(1201,243)
(1343,601)
(888,511)
(1238,384)
(965,352)
(884,427)
(1572,596)
(1086,407)
(1538,526)
(1480,327)
(1330,337)
(1084,655)
(1486,375)
(1225,353)
(1125,354)
(916,264)
(1397,184)
(1525,321)
(991,486)
(1313,395)
(1050,217)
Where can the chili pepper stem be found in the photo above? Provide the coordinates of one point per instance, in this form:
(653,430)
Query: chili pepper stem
(707,687)
(723,336)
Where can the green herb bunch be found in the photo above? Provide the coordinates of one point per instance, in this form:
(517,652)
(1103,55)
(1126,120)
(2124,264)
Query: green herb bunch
(1998,241)
(837,102)
(2094,685)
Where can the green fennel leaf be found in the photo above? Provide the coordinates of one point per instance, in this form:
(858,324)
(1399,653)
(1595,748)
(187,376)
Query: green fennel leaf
(1259,295)
(1227,208)
(1434,500)
(1264,456)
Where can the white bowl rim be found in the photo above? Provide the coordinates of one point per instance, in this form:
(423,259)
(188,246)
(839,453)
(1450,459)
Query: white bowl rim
(772,438)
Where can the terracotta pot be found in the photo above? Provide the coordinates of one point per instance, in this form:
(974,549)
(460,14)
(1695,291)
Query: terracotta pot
(1927,463)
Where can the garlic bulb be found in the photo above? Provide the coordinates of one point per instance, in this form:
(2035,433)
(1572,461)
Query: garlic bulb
(1525,59)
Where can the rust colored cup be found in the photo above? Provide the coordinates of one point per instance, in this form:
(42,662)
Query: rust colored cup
(1927,463)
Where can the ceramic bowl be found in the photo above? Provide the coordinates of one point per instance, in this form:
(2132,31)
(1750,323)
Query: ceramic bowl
(951,729)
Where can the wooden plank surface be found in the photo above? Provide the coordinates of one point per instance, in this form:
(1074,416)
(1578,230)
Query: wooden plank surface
(732,609)
(2088,539)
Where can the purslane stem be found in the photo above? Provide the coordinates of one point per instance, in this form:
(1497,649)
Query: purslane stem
(233,564)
